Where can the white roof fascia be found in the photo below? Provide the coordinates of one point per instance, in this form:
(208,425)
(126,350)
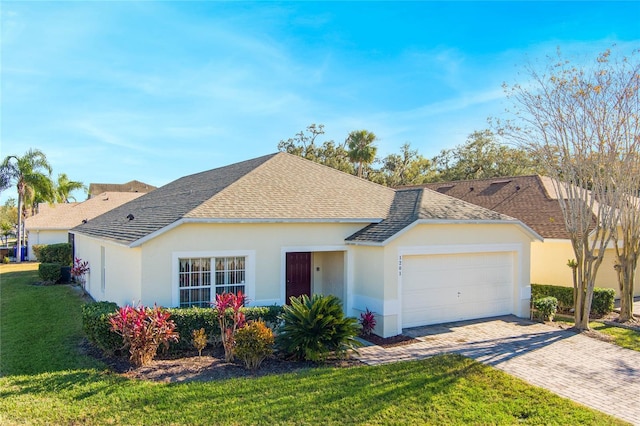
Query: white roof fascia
(530,232)
(107,240)
(182,221)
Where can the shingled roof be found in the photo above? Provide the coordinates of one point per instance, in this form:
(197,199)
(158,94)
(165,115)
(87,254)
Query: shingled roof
(280,188)
(531,199)
(276,187)
(68,215)
(420,204)
(131,186)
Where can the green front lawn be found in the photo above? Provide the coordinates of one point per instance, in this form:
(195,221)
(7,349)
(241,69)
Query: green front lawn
(623,337)
(47,380)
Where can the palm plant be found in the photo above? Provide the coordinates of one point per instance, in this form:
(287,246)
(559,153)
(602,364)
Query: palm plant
(64,188)
(362,151)
(28,174)
(314,327)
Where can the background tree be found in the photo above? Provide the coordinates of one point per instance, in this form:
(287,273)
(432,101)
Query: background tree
(27,173)
(65,187)
(361,151)
(482,157)
(406,168)
(8,219)
(575,119)
(328,153)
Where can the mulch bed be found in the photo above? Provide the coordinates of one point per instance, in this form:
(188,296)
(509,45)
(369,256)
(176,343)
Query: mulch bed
(208,367)
(212,366)
(389,342)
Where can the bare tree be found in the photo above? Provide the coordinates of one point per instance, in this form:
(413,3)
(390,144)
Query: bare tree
(578,120)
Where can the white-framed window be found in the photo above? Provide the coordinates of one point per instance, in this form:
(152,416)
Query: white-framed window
(200,278)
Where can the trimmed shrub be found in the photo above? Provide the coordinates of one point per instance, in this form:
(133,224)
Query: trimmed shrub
(56,253)
(314,328)
(564,295)
(96,326)
(546,307)
(269,314)
(602,297)
(253,343)
(189,319)
(50,272)
(602,302)
(36,251)
(95,319)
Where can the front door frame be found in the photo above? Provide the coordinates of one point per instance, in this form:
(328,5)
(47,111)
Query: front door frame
(298,280)
(348,273)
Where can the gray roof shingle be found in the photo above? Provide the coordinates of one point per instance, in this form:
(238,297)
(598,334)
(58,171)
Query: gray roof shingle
(281,187)
(165,205)
(413,204)
(274,187)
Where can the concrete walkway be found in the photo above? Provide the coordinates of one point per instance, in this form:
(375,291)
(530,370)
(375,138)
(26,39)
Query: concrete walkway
(597,374)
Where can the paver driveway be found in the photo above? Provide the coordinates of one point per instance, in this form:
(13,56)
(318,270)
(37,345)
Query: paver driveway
(594,373)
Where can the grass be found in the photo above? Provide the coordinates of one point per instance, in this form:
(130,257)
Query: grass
(623,337)
(54,383)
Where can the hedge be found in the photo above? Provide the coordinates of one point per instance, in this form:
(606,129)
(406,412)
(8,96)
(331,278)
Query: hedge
(56,253)
(95,320)
(95,324)
(50,272)
(602,297)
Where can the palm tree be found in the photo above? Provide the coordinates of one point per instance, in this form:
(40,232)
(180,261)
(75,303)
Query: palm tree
(27,172)
(65,187)
(362,151)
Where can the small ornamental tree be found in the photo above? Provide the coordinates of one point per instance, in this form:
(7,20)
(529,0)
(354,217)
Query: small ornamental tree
(230,319)
(143,330)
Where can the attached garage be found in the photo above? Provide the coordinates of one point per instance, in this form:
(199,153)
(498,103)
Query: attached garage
(438,288)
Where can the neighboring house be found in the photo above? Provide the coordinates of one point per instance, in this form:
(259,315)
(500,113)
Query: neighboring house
(280,226)
(132,186)
(534,200)
(52,223)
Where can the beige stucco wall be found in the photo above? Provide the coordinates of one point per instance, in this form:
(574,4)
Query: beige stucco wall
(549,266)
(122,271)
(328,274)
(453,238)
(45,236)
(264,244)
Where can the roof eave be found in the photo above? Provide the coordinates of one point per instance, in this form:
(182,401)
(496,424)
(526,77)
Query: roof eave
(186,220)
(527,230)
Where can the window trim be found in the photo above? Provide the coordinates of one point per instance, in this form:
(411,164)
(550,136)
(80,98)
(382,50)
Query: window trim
(250,270)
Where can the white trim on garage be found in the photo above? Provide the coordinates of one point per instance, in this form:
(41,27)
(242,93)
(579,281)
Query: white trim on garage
(519,290)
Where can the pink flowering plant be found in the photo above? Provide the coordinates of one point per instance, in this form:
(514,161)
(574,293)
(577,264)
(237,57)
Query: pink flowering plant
(230,319)
(143,330)
(79,270)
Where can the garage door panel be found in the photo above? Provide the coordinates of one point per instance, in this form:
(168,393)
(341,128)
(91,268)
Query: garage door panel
(452,287)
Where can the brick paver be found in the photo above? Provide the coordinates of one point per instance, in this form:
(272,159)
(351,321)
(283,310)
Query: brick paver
(597,374)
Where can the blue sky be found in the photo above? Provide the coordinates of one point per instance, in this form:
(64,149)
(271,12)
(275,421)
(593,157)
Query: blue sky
(115,91)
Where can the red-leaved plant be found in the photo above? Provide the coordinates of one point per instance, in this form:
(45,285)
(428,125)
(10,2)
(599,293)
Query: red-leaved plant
(143,330)
(79,270)
(229,321)
(368,322)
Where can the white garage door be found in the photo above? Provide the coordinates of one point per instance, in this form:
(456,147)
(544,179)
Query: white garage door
(454,287)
